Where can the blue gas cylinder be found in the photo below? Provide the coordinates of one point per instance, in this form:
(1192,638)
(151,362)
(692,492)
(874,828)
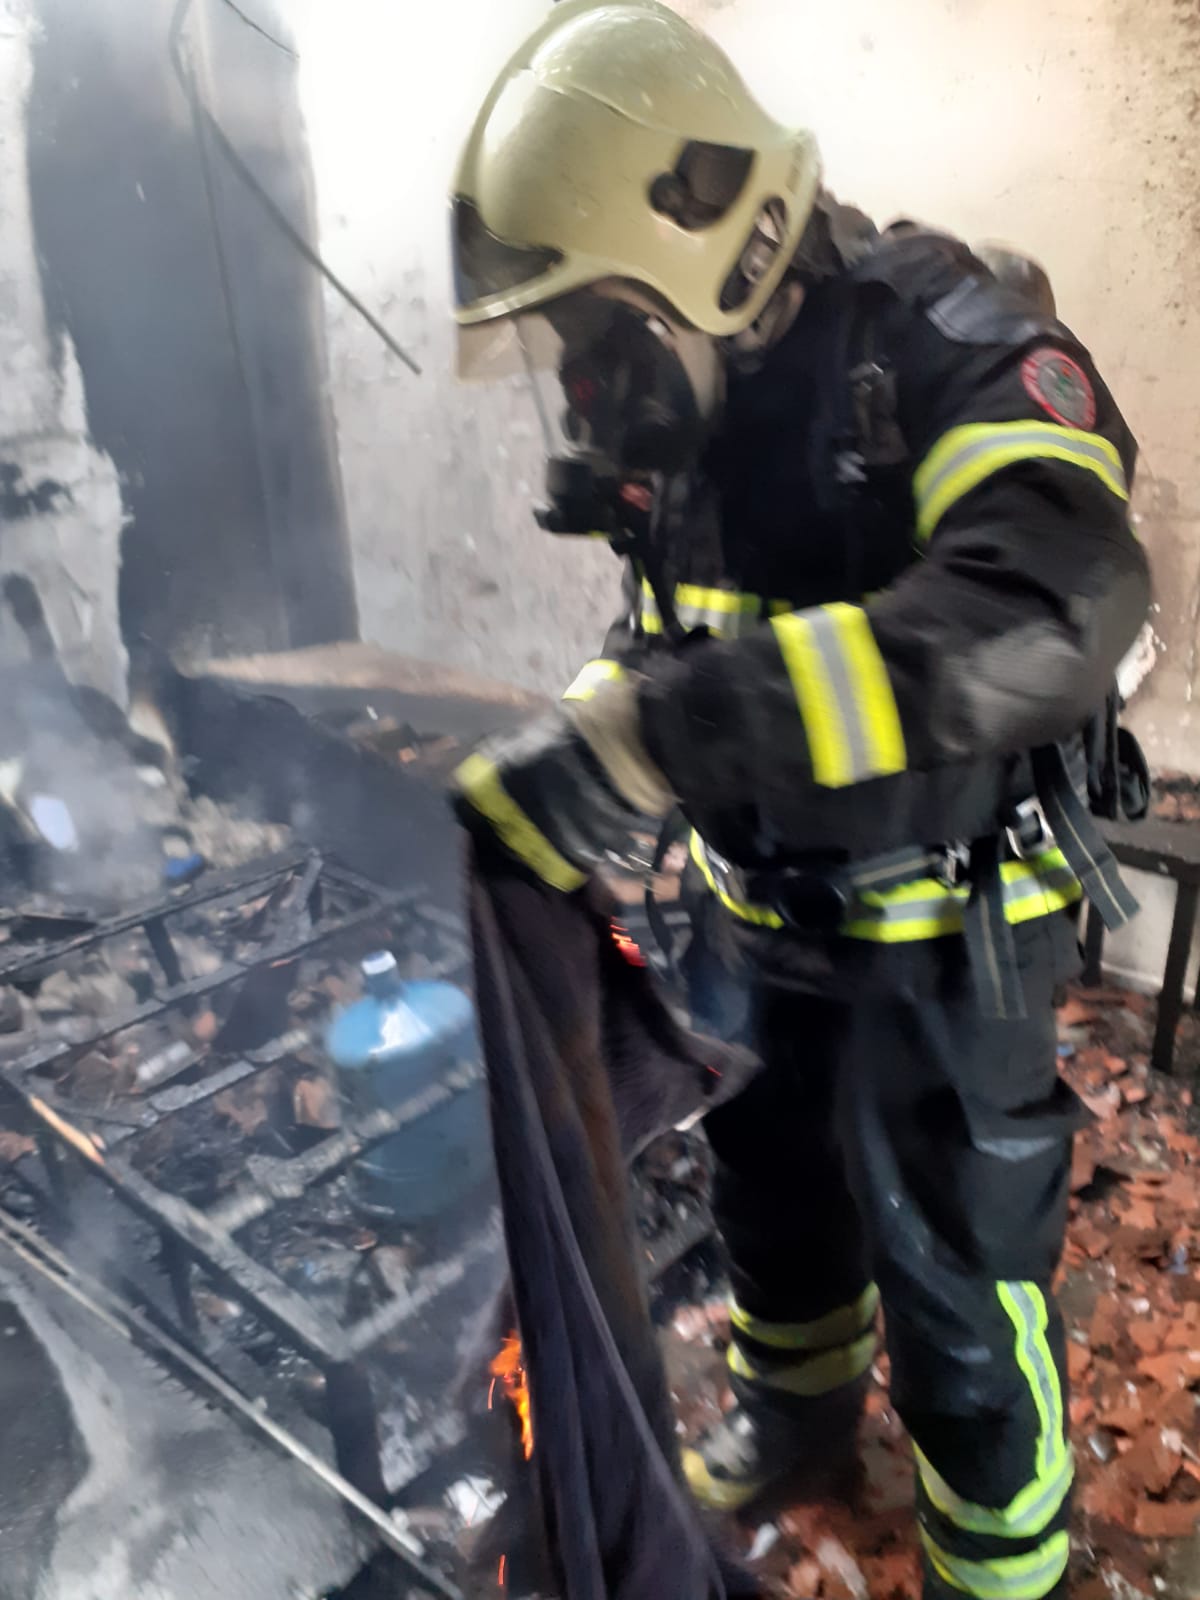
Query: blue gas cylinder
(399,1039)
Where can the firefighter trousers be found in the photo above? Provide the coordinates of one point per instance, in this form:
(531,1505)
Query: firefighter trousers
(903,1148)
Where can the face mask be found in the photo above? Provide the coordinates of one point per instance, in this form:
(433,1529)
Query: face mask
(625,399)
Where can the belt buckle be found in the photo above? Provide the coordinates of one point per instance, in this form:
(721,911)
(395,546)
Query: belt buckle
(1021,841)
(955,867)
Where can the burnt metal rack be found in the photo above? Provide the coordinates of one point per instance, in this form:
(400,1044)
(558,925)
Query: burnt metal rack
(317,900)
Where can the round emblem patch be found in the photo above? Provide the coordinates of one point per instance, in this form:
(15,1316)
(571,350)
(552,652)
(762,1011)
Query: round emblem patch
(1060,386)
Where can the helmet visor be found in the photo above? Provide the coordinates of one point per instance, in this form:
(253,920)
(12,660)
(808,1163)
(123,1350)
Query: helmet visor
(484,264)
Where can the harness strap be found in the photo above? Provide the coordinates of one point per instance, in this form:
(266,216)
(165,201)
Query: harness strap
(990,945)
(1080,840)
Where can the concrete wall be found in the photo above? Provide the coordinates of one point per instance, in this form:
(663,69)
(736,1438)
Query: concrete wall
(199,326)
(438,478)
(60,499)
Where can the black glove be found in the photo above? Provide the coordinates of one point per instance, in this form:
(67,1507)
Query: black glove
(565,792)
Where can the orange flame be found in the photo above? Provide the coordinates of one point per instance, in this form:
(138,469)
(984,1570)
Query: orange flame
(503,1572)
(627,944)
(509,1369)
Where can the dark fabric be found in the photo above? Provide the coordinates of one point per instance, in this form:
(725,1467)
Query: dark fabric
(584,1065)
(910,1140)
(1005,637)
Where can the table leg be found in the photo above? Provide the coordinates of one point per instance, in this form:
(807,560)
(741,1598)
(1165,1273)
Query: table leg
(1093,949)
(1170,1001)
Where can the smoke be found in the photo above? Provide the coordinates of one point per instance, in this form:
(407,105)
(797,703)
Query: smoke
(75,801)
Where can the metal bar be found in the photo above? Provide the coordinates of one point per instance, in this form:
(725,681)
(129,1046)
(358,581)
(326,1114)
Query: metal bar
(284,1311)
(354,1425)
(429,1285)
(1170,1000)
(169,1101)
(44,1055)
(228,881)
(179,1276)
(159,941)
(131,1324)
(166,1102)
(338,873)
(1093,949)
(278,1178)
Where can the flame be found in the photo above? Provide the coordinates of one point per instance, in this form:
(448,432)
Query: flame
(503,1572)
(508,1369)
(627,945)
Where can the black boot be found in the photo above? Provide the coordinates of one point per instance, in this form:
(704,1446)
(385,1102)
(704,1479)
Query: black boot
(767,1441)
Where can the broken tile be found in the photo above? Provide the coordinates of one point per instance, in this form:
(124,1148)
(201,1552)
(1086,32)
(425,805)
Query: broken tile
(894,1575)
(1166,1520)
(1107,1498)
(1147,1335)
(1153,1463)
(1079,1359)
(1173,1369)
(1083,1164)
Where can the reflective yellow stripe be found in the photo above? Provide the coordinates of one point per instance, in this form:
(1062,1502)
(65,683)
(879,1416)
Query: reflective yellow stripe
(725,612)
(1041,1499)
(1026,1308)
(874,698)
(1030,1511)
(479,782)
(925,908)
(761,916)
(1027,1577)
(836,1327)
(727,601)
(592,676)
(844,694)
(965,456)
(818,1374)
(1024,1517)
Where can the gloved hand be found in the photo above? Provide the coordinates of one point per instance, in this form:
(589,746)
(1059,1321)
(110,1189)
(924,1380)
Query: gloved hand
(563,793)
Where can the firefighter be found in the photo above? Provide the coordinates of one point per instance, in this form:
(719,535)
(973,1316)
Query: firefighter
(874,508)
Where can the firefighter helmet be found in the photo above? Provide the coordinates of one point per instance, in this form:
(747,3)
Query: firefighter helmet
(620,142)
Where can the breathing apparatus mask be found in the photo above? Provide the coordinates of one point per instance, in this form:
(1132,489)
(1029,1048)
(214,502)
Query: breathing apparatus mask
(625,397)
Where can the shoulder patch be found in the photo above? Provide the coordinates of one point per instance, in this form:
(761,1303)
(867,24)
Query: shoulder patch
(1059,386)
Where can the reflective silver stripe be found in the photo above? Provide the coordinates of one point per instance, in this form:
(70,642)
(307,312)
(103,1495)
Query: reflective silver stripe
(966,456)
(1026,1308)
(826,638)
(921,909)
(1093,455)
(1023,1518)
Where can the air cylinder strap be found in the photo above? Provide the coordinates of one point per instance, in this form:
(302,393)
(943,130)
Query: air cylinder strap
(1080,840)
